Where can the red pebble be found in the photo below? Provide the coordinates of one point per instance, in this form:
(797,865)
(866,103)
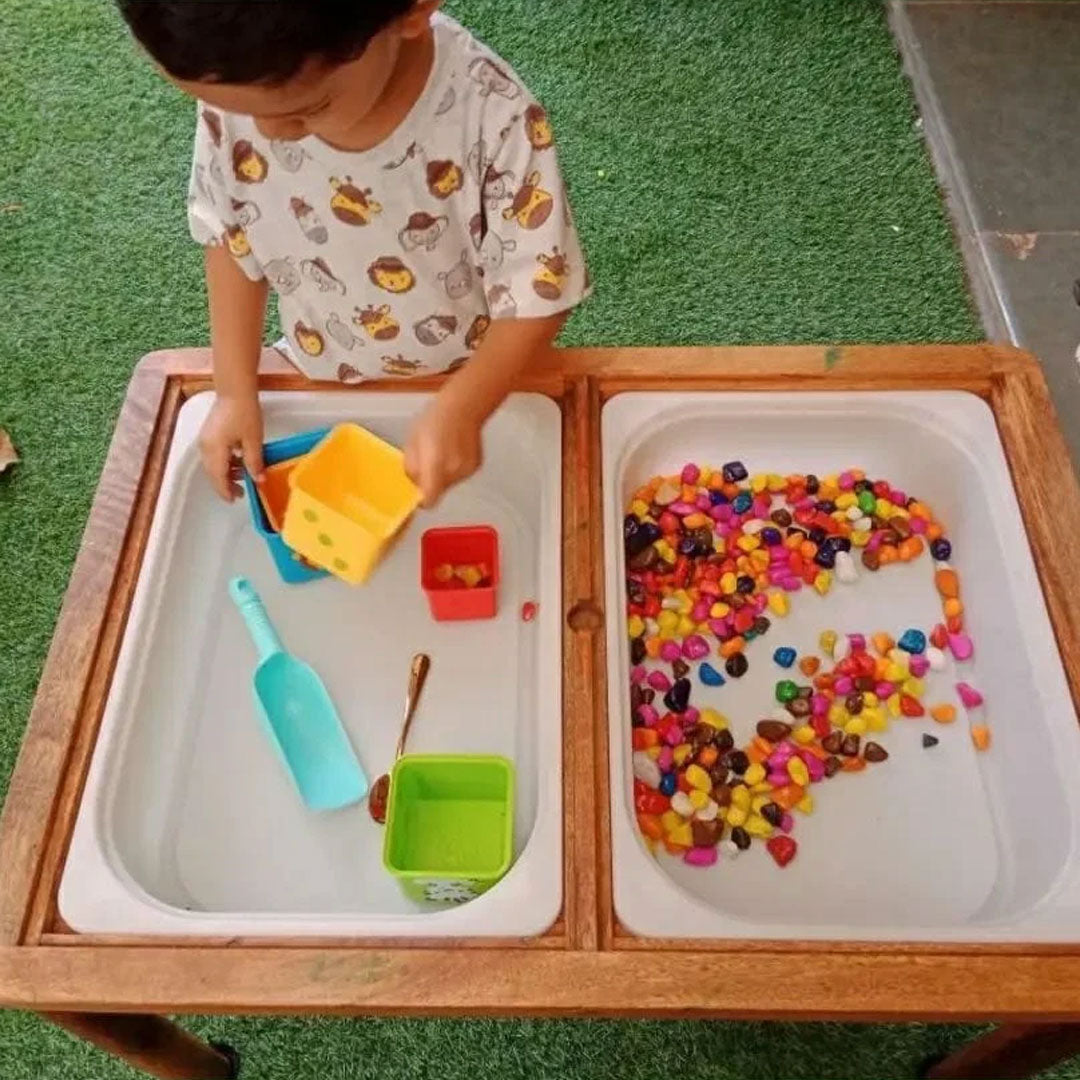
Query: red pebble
(782,849)
(682,572)
(651,607)
(881,489)
(865,664)
(668,522)
(821,726)
(743,620)
(910,707)
(939,637)
(684,784)
(651,802)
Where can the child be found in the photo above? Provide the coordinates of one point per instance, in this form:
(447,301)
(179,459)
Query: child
(394,182)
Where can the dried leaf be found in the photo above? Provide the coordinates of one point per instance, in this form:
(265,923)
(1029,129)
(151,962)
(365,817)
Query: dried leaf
(11,207)
(8,456)
(1023,244)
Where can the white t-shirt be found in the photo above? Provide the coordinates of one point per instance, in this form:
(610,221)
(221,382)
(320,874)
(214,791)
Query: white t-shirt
(394,260)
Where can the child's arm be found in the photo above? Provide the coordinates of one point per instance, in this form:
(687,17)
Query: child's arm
(444,445)
(237,312)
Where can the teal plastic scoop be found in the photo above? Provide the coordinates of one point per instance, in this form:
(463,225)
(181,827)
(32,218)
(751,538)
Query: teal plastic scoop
(299,714)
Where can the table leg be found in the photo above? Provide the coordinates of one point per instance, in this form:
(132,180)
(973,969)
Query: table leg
(1010,1052)
(152,1043)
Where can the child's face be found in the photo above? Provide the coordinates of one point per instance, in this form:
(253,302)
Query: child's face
(328,101)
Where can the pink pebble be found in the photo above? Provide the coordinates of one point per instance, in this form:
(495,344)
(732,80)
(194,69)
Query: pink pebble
(703,502)
(716,512)
(918,665)
(762,505)
(682,509)
(846,482)
(690,716)
(637,674)
(787,822)
(665,759)
(918,525)
(814,766)
(670,652)
(779,779)
(791,584)
(724,512)
(700,856)
(819,705)
(648,715)
(716,627)
(695,647)
(805,504)
(659,682)
(781,755)
(899,498)
(761,602)
(857,642)
(690,473)
(673,735)
(844,685)
(884,690)
(960,645)
(969,696)
(874,542)
(700,612)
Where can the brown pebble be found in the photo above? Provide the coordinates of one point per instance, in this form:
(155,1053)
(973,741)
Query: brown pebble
(799,708)
(648,695)
(773,730)
(850,746)
(781,518)
(831,743)
(635,697)
(854,703)
(900,526)
(772,813)
(725,741)
(645,559)
(871,559)
(865,684)
(680,668)
(706,833)
(722,794)
(740,837)
(832,765)
(718,774)
(873,751)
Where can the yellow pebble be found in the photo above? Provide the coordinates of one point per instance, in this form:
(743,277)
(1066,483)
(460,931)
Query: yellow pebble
(796,769)
(698,778)
(806,804)
(894,673)
(666,551)
(846,499)
(713,719)
(686,626)
(860,538)
(735,815)
(759,482)
(696,521)
(875,719)
(883,643)
(667,620)
(754,774)
(803,735)
(837,714)
(747,543)
(444,572)
(683,835)
(764,788)
(779,603)
(759,560)
(758,826)
(823,582)
(653,752)
(856,725)
(915,687)
(719,610)
(759,801)
(776,482)
(869,699)
(893,705)
(639,508)
(699,799)
(827,642)
(727,583)
(719,545)
(681,753)
(635,626)
(669,820)
(740,797)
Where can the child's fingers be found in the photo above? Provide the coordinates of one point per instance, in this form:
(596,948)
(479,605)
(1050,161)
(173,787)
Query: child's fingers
(252,449)
(217,462)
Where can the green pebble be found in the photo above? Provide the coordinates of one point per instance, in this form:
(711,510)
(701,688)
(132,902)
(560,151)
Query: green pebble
(786,691)
(867,502)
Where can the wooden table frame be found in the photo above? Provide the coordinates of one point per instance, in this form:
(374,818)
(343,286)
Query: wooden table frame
(586,964)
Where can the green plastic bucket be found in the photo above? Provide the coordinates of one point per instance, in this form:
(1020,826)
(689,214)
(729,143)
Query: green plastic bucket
(449,825)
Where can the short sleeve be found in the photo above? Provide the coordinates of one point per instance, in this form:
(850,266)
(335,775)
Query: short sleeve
(531,256)
(215,217)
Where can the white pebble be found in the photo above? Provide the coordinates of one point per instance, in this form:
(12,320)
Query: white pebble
(863,524)
(853,513)
(845,568)
(665,494)
(781,714)
(652,627)
(681,804)
(729,849)
(935,658)
(671,603)
(645,769)
(708,812)
(752,528)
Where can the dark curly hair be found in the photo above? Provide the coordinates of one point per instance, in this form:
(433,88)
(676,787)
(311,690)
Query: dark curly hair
(254,41)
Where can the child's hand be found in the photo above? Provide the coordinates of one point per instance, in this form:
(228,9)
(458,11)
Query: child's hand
(443,449)
(233,426)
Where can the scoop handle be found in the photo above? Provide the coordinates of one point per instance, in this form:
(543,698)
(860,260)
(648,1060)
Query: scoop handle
(418,673)
(258,622)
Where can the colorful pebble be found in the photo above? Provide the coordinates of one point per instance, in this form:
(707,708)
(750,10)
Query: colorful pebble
(784,656)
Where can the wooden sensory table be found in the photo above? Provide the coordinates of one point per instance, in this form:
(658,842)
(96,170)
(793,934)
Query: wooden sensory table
(115,990)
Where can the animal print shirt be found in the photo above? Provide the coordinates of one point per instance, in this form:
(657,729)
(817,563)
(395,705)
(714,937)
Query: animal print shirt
(394,261)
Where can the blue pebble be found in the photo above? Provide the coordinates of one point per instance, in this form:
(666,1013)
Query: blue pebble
(784,656)
(742,502)
(717,498)
(913,641)
(668,784)
(710,676)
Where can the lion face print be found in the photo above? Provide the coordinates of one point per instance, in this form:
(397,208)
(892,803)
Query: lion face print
(309,339)
(444,178)
(538,128)
(237,242)
(249,166)
(391,274)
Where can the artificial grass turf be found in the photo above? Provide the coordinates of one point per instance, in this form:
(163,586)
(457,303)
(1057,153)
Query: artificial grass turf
(745,171)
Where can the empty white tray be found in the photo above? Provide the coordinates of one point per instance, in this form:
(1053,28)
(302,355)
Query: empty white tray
(189,823)
(933,844)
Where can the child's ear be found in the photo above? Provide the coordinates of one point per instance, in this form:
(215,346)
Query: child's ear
(417,19)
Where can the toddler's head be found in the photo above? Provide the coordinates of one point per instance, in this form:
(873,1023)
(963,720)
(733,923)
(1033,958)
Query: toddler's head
(298,67)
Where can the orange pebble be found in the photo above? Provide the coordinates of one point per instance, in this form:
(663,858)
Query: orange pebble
(707,756)
(887,554)
(730,647)
(943,714)
(650,825)
(809,665)
(788,795)
(952,608)
(817,751)
(882,642)
(918,509)
(934,531)
(948,584)
(759,743)
(652,647)
(755,755)
(673,849)
(808,549)
(980,736)
(852,764)
(644,737)
(954,624)
(689,493)
(911,548)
